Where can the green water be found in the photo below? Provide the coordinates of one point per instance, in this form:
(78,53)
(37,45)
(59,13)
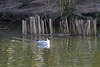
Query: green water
(64,51)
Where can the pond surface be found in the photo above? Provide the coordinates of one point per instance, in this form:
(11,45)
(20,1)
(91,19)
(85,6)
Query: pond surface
(64,51)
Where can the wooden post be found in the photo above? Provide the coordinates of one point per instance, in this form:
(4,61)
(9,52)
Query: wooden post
(23,27)
(61,27)
(85,28)
(28,25)
(73,25)
(51,28)
(46,29)
(54,28)
(66,23)
(34,25)
(70,27)
(31,25)
(78,26)
(65,30)
(39,25)
(88,27)
(81,26)
(94,23)
(42,22)
(76,22)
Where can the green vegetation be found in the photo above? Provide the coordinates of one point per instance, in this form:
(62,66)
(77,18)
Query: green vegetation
(67,9)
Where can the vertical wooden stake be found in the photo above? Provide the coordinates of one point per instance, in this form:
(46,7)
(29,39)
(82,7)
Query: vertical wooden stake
(36,23)
(88,27)
(76,23)
(42,26)
(46,29)
(85,28)
(94,23)
(31,25)
(73,25)
(39,26)
(81,26)
(54,27)
(23,28)
(50,23)
(61,27)
(65,30)
(28,25)
(70,27)
(66,22)
(34,26)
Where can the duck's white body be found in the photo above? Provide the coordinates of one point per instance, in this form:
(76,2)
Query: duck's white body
(44,44)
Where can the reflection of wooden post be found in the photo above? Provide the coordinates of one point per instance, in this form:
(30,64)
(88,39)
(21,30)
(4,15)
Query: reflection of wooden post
(24,43)
(50,23)
(95,42)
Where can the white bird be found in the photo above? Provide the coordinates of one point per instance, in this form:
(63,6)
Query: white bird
(44,44)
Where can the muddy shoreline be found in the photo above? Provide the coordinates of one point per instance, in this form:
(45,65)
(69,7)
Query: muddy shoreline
(14,11)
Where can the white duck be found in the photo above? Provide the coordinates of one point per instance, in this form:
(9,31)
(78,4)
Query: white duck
(44,44)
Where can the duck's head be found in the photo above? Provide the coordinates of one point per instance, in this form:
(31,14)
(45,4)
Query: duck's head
(48,38)
(37,40)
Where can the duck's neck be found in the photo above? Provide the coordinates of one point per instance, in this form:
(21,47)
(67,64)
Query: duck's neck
(48,43)
(47,39)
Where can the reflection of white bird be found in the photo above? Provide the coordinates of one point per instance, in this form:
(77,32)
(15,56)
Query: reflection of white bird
(13,41)
(44,44)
